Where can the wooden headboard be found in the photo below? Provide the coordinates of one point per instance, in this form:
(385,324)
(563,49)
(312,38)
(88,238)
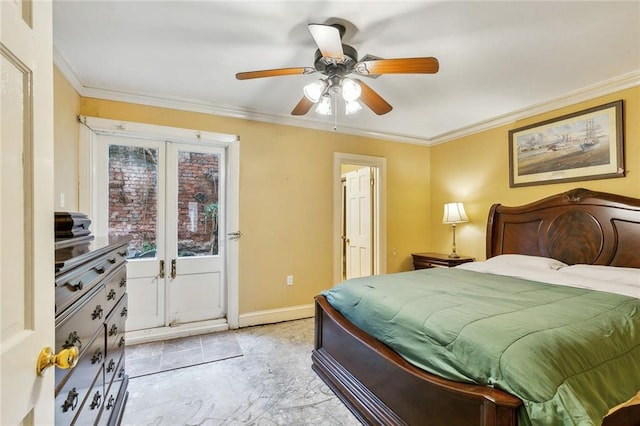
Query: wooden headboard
(578,226)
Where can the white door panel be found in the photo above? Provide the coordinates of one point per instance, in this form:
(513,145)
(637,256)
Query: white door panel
(130,174)
(195,235)
(149,306)
(26,211)
(359,223)
(208,301)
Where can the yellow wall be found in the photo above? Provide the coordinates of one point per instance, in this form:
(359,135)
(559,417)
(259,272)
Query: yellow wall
(66,104)
(475,170)
(286,188)
(286,199)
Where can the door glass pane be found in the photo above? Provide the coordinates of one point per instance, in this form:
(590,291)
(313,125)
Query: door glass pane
(197,204)
(133,197)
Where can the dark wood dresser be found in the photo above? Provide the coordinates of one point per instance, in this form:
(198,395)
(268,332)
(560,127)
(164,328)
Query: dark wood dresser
(91,309)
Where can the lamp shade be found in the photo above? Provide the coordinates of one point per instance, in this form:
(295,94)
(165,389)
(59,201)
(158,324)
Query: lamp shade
(351,90)
(313,91)
(324,106)
(454,213)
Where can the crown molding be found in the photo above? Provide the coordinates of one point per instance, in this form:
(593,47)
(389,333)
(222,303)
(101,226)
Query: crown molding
(613,85)
(603,88)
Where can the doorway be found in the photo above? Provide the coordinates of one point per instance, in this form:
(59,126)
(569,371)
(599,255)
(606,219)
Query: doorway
(359,216)
(171,195)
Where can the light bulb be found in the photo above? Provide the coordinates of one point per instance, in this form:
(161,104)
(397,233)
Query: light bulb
(350,89)
(313,91)
(324,107)
(351,107)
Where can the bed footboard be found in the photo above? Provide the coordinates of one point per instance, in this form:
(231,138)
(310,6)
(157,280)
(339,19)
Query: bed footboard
(380,387)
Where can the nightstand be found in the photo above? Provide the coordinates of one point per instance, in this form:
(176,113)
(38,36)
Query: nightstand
(430,260)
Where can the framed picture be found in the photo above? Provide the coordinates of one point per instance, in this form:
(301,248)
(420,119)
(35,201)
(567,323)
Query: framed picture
(581,146)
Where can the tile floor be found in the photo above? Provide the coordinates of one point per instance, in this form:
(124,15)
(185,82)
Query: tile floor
(270,384)
(151,358)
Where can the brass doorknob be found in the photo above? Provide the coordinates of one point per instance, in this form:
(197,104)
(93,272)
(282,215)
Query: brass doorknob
(66,358)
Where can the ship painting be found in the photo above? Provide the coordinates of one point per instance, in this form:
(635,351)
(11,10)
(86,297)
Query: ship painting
(592,135)
(577,146)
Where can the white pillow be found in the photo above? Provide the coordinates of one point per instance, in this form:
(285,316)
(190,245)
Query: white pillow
(525,261)
(628,276)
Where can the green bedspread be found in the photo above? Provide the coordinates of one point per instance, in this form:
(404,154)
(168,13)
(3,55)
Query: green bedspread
(570,354)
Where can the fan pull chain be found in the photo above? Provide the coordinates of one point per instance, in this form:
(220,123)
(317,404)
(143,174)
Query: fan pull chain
(335,113)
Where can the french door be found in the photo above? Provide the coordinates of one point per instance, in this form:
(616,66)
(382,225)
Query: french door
(170,198)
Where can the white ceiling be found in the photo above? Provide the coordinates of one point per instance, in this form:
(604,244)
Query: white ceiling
(497,59)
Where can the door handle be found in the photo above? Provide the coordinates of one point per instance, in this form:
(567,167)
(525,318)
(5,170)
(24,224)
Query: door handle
(161,274)
(173,269)
(66,358)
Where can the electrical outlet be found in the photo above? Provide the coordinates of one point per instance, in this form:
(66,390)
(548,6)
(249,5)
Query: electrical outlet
(289,279)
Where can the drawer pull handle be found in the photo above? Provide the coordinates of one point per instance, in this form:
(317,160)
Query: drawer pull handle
(113,330)
(97,356)
(121,373)
(121,342)
(72,340)
(112,261)
(111,365)
(111,295)
(97,312)
(97,400)
(123,282)
(110,403)
(123,253)
(99,269)
(124,312)
(71,401)
(75,287)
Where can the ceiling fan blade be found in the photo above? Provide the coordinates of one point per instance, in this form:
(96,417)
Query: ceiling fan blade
(302,107)
(274,73)
(373,100)
(398,66)
(327,37)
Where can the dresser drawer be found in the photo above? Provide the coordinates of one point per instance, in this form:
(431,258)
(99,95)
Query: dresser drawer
(93,403)
(113,390)
(88,365)
(115,325)
(80,324)
(73,386)
(71,286)
(111,363)
(115,286)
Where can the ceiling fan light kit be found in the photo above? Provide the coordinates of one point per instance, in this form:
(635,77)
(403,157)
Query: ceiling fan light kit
(336,61)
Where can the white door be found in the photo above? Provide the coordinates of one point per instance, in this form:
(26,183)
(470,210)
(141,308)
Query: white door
(131,188)
(359,203)
(170,197)
(195,249)
(26,212)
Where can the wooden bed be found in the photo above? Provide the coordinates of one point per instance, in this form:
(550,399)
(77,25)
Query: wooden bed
(380,387)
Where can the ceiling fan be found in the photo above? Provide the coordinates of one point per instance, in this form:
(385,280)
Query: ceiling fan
(337,61)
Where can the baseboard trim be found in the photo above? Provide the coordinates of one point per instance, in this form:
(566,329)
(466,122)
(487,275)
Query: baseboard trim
(249,319)
(181,330)
(271,316)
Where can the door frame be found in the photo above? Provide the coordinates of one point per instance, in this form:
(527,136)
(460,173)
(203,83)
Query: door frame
(379,165)
(94,126)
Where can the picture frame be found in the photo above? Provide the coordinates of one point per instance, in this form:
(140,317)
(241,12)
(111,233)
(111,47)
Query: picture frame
(584,145)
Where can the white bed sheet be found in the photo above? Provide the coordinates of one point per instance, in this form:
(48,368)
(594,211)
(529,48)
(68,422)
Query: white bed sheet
(561,276)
